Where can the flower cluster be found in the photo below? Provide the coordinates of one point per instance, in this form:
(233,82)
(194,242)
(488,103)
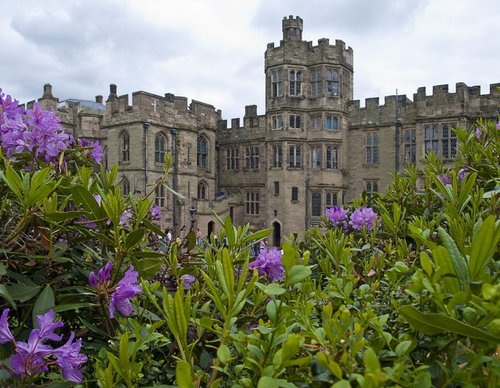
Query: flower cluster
(118,296)
(363,218)
(337,216)
(269,263)
(446,179)
(35,356)
(34,131)
(38,132)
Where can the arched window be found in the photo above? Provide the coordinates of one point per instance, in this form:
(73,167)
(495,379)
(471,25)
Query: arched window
(332,83)
(202,190)
(125,186)
(202,159)
(160,142)
(160,196)
(124,147)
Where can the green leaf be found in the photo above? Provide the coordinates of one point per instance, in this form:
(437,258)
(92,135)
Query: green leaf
(436,323)
(183,375)
(270,382)
(83,197)
(72,306)
(271,289)
(22,292)
(403,347)
(43,303)
(297,274)
(458,261)
(223,354)
(483,247)
(5,294)
(133,238)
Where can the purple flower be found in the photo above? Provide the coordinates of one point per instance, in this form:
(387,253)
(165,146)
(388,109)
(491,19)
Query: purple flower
(479,133)
(70,360)
(188,279)
(444,179)
(35,357)
(269,263)
(103,276)
(461,174)
(498,125)
(96,149)
(126,215)
(337,216)
(125,290)
(35,131)
(155,212)
(364,218)
(5,334)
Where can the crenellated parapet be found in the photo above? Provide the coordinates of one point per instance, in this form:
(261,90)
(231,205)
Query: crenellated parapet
(252,126)
(465,102)
(295,51)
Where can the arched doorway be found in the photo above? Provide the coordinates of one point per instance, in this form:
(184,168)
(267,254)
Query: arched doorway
(276,234)
(210,228)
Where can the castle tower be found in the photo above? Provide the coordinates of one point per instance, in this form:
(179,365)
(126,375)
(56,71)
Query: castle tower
(292,28)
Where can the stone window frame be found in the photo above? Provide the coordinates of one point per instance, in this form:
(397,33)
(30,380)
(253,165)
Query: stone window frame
(124,146)
(160,147)
(410,146)
(202,193)
(316,82)
(331,198)
(202,152)
(332,82)
(233,158)
(371,187)
(294,156)
(316,122)
(278,155)
(276,82)
(295,194)
(277,122)
(252,157)
(160,195)
(332,123)
(294,121)
(332,157)
(125,185)
(316,156)
(252,203)
(276,188)
(371,148)
(295,81)
(316,203)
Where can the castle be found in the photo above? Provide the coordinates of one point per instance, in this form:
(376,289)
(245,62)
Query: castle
(315,147)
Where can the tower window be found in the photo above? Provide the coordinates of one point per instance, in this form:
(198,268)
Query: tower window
(202,152)
(316,203)
(294,156)
(277,83)
(316,83)
(332,83)
(295,81)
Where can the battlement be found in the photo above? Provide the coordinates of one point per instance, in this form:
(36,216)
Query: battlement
(152,104)
(250,120)
(465,100)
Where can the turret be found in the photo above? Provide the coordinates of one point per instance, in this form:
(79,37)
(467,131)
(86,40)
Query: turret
(292,28)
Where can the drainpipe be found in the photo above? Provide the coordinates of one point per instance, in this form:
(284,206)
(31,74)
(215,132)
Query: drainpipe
(306,206)
(145,126)
(173,131)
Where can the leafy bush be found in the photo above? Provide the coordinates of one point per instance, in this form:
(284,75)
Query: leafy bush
(396,290)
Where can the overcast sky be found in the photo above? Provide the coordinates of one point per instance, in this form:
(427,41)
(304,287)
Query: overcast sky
(213,50)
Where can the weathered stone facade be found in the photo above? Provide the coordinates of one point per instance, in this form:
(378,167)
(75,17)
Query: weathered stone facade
(315,146)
